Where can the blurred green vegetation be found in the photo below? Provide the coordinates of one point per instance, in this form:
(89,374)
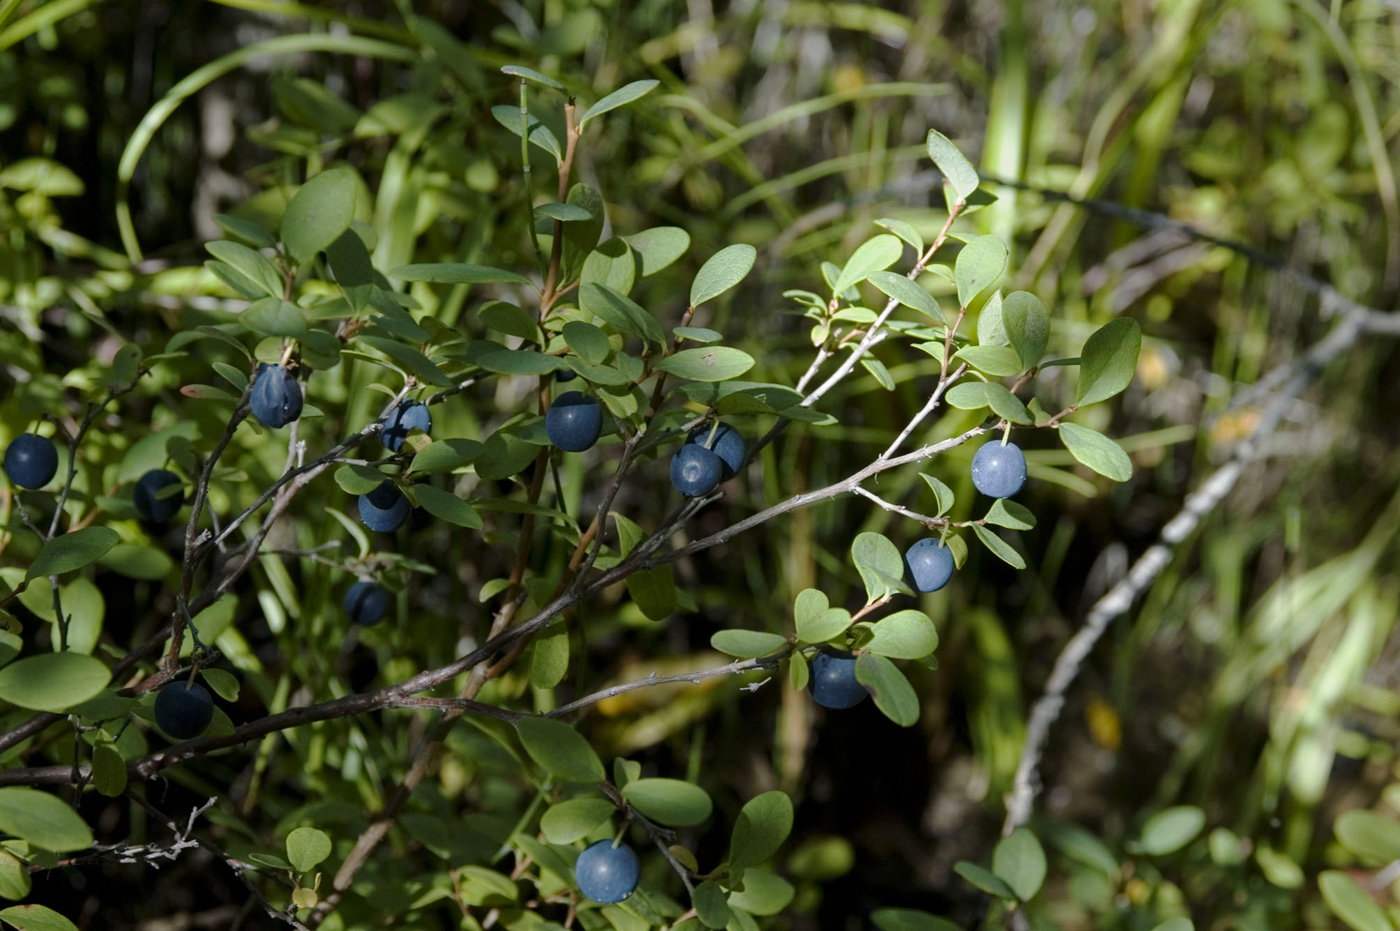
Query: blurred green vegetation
(1256,680)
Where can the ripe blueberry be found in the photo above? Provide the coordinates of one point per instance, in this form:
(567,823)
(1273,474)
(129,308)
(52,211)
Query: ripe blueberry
(31,460)
(276,396)
(606,873)
(366,603)
(833,681)
(728,444)
(999,471)
(150,505)
(384,508)
(564,375)
(573,422)
(410,415)
(184,711)
(930,564)
(695,470)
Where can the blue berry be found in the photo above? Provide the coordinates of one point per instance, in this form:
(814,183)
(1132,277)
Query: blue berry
(276,396)
(573,422)
(999,471)
(606,873)
(930,564)
(31,460)
(385,508)
(695,470)
(410,415)
(728,444)
(833,680)
(184,711)
(366,603)
(150,506)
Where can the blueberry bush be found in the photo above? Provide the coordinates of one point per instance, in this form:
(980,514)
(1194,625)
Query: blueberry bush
(463,535)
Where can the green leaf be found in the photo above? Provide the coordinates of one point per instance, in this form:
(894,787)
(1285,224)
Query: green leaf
(223,682)
(999,547)
(908,293)
(444,505)
(1005,404)
(1096,451)
(1020,860)
(760,829)
(710,364)
(903,635)
(246,230)
(1370,835)
(559,750)
(877,368)
(581,238)
(272,316)
(306,847)
(1027,326)
(540,135)
(588,341)
(819,628)
(711,904)
(445,455)
(318,213)
(618,98)
(1108,360)
(658,247)
(611,263)
(725,269)
(1170,830)
(697,334)
(672,802)
(765,893)
(941,493)
(798,673)
(957,170)
(52,681)
(1176,924)
(252,265)
(878,561)
(747,644)
(409,359)
(530,74)
(968,396)
(108,769)
(42,819)
(549,657)
(988,882)
(1279,868)
(35,918)
(511,320)
(564,213)
(1081,845)
(355,479)
(904,231)
(14,877)
(874,255)
(893,694)
(1347,900)
(41,176)
(621,311)
(457,273)
(566,822)
(1007,513)
(654,591)
(998,361)
(72,550)
(520,362)
(978,266)
(909,919)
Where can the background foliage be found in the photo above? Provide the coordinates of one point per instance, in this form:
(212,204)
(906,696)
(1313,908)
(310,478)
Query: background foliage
(1219,730)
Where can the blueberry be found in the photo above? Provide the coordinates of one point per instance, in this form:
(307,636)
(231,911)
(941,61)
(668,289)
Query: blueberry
(930,564)
(573,422)
(276,396)
(384,508)
(728,444)
(833,680)
(606,873)
(184,711)
(999,470)
(366,603)
(410,415)
(31,460)
(695,470)
(564,375)
(150,505)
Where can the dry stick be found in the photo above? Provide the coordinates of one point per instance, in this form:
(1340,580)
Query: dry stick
(1046,710)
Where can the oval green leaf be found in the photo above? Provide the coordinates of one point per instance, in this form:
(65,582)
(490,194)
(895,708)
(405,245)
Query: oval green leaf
(710,364)
(1020,861)
(672,802)
(35,918)
(876,254)
(747,644)
(957,170)
(559,750)
(52,681)
(904,635)
(307,847)
(999,547)
(575,819)
(72,550)
(725,269)
(978,266)
(42,819)
(1350,902)
(1108,360)
(760,829)
(893,694)
(1170,830)
(318,213)
(1096,451)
